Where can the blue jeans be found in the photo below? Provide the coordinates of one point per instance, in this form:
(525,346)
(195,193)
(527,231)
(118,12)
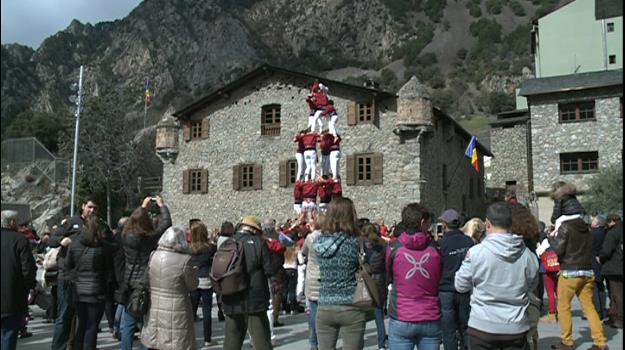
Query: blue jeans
(455,310)
(10,328)
(127,328)
(312,322)
(118,317)
(406,335)
(207,305)
(379,325)
(63,323)
(599,297)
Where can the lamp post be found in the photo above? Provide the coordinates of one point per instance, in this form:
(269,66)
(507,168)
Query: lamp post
(76,136)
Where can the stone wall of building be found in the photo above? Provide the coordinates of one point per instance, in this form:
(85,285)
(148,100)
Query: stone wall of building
(509,147)
(235,138)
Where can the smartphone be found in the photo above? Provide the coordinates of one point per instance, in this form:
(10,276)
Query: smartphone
(439,229)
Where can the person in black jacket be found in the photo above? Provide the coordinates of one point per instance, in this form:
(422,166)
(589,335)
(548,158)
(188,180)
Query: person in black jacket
(63,237)
(611,256)
(18,277)
(203,250)
(455,307)
(248,309)
(597,228)
(89,262)
(139,238)
(376,252)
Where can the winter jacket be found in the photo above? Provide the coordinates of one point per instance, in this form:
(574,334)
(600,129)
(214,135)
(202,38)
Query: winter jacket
(138,247)
(260,265)
(598,236)
(453,247)
(501,272)
(18,273)
(203,261)
(573,244)
(168,324)
(91,267)
(416,274)
(312,267)
(70,229)
(337,254)
(611,254)
(376,257)
(565,202)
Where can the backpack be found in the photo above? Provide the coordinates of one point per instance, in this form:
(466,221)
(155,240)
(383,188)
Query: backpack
(228,273)
(550,261)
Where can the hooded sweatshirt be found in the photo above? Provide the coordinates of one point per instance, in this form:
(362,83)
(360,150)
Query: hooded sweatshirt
(502,272)
(338,262)
(416,275)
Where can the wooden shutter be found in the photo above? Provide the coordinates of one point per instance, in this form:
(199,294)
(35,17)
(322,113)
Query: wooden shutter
(236,178)
(186,128)
(204,181)
(351,114)
(205,128)
(284,178)
(185,181)
(374,112)
(378,166)
(258,177)
(350,170)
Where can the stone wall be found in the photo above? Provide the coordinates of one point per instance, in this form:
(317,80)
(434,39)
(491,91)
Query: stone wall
(509,147)
(235,138)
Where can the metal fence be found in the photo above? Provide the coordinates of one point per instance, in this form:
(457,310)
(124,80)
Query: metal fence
(28,151)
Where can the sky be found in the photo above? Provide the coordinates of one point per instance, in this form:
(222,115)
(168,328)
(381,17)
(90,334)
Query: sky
(29,22)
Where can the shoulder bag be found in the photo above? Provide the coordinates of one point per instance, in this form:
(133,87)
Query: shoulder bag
(366,295)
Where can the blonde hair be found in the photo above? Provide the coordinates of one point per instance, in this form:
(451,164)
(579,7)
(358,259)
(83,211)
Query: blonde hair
(199,237)
(475,228)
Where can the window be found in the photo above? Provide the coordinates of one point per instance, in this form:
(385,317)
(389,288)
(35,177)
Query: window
(364,169)
(246,177)
(288,172)
(579,162)
(195,181)
(270,120)
(610,27)
(612,59)
(196,130)
(361,113)
(510,187)
(577,112)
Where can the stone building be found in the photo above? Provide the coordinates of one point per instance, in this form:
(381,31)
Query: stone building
(231,153)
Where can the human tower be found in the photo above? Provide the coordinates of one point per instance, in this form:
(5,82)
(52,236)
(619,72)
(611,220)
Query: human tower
(309,188)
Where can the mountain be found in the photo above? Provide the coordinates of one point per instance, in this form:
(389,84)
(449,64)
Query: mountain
(471,52)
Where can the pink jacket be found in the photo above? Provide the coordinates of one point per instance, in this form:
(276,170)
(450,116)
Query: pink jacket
(416,274)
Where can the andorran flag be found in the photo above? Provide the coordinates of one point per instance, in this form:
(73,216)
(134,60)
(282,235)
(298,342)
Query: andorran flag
(471,153)
(148,94)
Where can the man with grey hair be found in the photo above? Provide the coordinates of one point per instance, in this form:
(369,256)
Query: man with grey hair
(18,277)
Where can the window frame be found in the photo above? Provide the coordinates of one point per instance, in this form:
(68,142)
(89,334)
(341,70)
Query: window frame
(579,110)
(574,162)
(610,27)
(611,59)
(246,170)
(365,112)
(271,120)
(196,129)
(368,159)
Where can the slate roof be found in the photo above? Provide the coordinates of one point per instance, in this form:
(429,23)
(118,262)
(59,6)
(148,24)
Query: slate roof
(571,82)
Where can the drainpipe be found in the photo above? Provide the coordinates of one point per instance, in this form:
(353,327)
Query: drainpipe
(604,38)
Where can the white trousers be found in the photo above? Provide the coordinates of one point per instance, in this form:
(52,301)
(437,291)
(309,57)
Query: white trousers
(310,157)
(332,124)
(314,120)
(297,207)
(300,166)
(309,205)
(335,157)
(325,164)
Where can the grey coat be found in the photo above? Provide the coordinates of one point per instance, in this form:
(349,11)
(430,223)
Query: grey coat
(169,323)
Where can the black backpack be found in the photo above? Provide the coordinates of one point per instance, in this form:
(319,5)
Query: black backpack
(228,274)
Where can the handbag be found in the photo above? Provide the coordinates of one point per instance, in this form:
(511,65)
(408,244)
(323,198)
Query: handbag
(366,295)
(550,261)
(70,291)
(139,299)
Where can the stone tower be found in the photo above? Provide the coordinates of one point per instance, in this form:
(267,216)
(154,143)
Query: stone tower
(414,105)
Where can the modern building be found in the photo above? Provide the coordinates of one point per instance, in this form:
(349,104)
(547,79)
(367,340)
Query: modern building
(231,153)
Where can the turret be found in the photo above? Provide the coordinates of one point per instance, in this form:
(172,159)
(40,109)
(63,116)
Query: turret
(414,105)
(167,137)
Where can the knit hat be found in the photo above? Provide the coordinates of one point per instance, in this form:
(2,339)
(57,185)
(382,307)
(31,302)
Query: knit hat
(252,222)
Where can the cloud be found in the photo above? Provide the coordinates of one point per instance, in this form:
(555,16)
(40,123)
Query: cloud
(29,22)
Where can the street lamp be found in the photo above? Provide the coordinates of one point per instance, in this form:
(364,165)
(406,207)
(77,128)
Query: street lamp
(76,135)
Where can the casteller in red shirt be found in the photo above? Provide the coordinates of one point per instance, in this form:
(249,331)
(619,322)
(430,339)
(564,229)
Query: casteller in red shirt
(310,141)
(326,142)
(325,191)
(298,192)
(337,190)
(310,189)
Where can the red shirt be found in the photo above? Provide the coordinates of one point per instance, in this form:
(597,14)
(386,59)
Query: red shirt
(336,145)
(325,191)
(275,247)
(337,190)
(320,99)
(298,192)
(310,141)
(326,142)
(310,189)
(329,110)
(300,143)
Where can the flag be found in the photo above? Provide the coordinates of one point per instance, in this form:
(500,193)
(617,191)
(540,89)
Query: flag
(148,94)
(471,153)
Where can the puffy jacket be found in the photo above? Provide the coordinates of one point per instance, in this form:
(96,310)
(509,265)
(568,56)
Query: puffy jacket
(18,273)
(312,267)
(416,274)
(138,247)
(611,254)
(376,257)
(90,265)
(260,265)
(169,322)
(573,244)
(338,262)
(70,229)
